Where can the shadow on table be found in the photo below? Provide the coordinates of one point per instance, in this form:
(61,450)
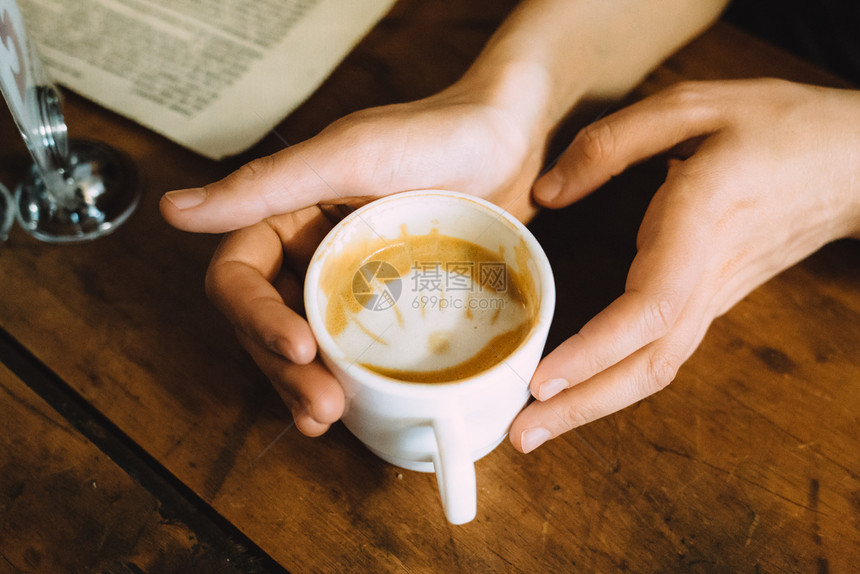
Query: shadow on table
(591,244)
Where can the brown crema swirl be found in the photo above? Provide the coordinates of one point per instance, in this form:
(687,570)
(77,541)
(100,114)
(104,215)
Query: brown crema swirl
(405,253)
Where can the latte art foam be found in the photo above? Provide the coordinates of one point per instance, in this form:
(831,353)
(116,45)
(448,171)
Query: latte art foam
(428,308)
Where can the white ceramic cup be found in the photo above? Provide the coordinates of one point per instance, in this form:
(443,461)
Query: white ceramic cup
(441,427)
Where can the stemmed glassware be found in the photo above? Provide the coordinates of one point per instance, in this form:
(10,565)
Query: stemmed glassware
(75,190)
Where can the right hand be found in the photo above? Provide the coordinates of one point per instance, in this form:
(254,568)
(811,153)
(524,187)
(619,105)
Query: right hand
(448,141)
(764,173)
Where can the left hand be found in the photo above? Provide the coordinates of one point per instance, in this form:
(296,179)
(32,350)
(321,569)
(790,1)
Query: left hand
(452,140)
(771,174)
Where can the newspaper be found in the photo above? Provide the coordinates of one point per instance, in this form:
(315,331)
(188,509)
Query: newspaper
(212,75)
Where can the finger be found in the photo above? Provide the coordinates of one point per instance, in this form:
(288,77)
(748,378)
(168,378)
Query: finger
(289,180)
(663,277)
(239,283)
(308,426)
(607,147)
(311,392)
(300,234)
(645,372)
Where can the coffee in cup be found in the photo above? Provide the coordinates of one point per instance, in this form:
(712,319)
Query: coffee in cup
(428,308)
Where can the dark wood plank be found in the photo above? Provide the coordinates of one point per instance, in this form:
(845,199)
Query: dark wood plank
(67,507)
(748,460)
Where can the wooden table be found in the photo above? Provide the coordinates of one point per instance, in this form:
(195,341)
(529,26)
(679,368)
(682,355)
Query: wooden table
(135,434)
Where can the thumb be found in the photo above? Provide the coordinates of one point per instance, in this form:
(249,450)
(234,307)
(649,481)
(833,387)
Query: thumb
(280,183)
(609,146)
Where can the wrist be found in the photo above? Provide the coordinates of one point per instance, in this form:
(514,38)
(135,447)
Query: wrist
(520,91)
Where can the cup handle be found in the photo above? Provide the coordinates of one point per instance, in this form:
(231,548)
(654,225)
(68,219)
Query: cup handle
(455,470)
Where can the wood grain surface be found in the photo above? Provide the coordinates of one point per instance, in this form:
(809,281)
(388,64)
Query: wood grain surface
(67,507)
(747,462)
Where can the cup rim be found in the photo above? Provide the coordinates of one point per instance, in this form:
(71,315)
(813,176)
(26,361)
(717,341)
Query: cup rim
(377,380)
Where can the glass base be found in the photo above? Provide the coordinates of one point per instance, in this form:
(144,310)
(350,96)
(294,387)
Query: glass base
(7,212)
(97,193)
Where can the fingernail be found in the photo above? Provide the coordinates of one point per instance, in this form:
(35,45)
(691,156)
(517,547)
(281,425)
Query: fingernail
(550,388)
(548,187)
(186,198)
(533,438)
